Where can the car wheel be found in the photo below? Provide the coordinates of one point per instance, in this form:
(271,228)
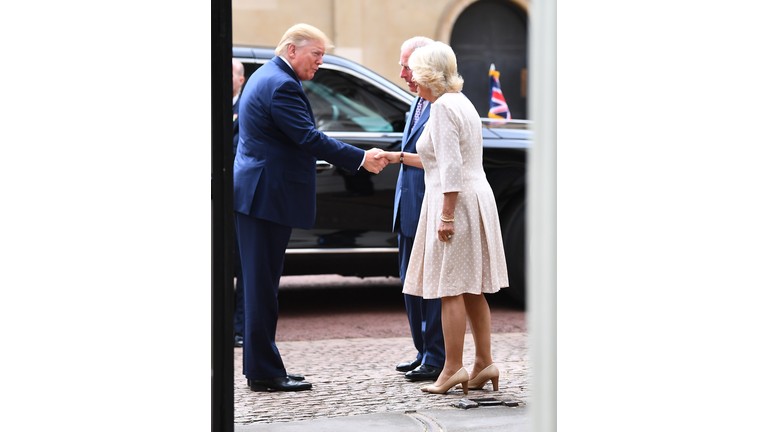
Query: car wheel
(513,235)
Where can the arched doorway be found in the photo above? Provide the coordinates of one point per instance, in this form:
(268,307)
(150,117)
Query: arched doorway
(493,31)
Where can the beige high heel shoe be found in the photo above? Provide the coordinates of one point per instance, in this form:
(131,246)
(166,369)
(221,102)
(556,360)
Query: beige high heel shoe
(461,376)
(491,373)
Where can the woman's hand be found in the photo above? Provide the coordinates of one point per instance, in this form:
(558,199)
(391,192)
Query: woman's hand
(410,159)
(445,231)
(392,157)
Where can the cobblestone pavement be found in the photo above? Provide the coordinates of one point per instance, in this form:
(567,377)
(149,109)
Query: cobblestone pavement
(357,376)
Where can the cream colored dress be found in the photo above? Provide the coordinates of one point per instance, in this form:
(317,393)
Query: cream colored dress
(472,261)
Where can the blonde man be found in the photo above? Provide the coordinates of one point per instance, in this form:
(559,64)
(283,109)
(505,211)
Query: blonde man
(274,189)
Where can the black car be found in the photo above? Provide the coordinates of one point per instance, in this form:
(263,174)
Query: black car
(353,234)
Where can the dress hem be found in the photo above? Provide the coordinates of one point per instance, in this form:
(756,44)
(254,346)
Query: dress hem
(483,291)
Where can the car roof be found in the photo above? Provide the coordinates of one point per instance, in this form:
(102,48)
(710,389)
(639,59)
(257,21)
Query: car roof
(263,55)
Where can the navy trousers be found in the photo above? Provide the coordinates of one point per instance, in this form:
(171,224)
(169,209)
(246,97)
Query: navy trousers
(262,252)
(238,271)
(424,315)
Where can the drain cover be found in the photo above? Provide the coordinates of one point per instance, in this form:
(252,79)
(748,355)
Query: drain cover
(478,402)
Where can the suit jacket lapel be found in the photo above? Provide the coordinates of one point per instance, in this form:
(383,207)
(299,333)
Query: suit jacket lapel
(407,133)
(285,68)
(422,119)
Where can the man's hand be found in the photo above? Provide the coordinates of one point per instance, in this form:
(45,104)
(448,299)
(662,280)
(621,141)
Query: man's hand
(371,163)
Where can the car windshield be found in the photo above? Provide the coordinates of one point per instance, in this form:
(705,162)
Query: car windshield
(344,103)
(347,114)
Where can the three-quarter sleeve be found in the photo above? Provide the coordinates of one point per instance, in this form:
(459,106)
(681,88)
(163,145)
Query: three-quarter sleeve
(445,133)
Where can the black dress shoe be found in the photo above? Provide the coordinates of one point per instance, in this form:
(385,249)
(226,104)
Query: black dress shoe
(407,367)
(295,377)
(424,373)
(238,341)
(278,384)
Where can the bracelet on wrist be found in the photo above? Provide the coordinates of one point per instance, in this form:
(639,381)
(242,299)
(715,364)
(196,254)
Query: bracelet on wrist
(401,157)
(445,219)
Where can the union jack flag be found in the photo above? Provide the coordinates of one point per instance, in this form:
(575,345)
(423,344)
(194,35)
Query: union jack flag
(499,108)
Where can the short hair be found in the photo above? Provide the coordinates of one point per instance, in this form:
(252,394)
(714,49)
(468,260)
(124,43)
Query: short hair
(434,66)
(299,35)
(415,42)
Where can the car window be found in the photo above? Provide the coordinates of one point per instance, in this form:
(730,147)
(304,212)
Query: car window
(344,103)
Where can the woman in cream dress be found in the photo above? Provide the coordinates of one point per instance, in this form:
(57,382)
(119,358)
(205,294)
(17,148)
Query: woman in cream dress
(458,254)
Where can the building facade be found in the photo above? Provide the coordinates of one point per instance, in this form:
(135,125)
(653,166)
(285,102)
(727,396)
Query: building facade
(370,32)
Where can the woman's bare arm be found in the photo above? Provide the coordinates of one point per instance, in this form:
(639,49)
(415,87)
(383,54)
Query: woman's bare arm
(410,159)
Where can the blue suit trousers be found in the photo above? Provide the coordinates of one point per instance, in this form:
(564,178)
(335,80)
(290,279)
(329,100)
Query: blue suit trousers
(262,252)
(424,315)
(238,271)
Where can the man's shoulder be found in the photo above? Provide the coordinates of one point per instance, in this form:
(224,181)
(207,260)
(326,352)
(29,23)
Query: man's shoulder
(270,79)
(270,70)
(277,77)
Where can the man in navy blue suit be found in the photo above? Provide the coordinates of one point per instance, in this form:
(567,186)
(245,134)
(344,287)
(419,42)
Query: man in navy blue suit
(274,189)
(423,314)
(238,78)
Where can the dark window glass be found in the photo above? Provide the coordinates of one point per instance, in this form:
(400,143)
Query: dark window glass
(344,103)
(250,68)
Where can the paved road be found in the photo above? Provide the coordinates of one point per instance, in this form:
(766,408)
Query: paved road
(347,337)
(332,307)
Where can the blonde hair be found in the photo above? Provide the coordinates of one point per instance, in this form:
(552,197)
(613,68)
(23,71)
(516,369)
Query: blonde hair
(434,66)
(299,35)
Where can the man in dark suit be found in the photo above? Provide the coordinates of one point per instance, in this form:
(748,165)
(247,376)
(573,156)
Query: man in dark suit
(238,78)
(274,189)
(423,314)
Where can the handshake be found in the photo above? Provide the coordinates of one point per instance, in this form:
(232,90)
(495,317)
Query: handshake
(377,159)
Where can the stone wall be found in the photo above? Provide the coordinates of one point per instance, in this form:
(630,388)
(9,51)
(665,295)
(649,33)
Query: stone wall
(369,32)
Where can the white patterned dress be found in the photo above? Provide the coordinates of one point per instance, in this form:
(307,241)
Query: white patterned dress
(472,261)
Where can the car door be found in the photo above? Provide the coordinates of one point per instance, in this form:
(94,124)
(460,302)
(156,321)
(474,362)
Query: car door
(354,209)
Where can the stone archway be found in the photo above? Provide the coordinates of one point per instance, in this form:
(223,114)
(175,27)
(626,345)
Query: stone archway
(482,32)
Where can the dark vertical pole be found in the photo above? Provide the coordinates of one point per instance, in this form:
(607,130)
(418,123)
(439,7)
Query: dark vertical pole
(222,224)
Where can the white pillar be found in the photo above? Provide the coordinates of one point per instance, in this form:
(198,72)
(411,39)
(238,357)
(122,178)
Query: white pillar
(542,217)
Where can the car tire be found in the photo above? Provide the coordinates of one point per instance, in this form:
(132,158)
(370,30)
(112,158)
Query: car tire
(513,236)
